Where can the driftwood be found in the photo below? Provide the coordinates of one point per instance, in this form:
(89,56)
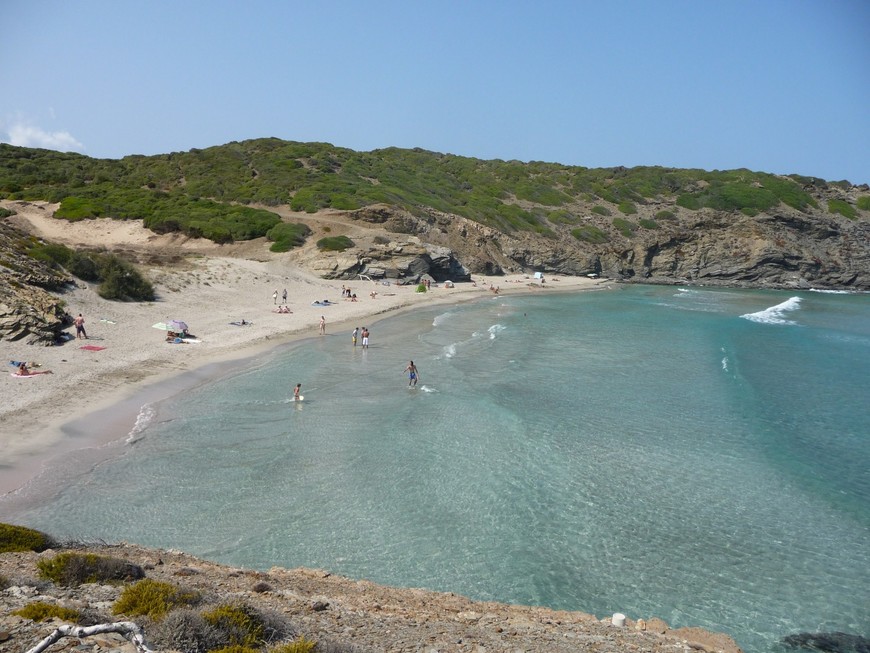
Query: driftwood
(128,629)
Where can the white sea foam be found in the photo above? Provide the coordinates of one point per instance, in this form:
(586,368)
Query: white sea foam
(775,314)
(495,329)
(450,350)
(441,318)
(831,292)
(143,419)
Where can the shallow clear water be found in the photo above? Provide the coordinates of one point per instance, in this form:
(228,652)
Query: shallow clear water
(698,455)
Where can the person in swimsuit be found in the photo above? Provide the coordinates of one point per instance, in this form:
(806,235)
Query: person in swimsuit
(24,371)
(365,338)
(354,335)
(80,327)
(296,391)
(413,374)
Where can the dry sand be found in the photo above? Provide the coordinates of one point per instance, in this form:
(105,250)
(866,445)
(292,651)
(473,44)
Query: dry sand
(208,287)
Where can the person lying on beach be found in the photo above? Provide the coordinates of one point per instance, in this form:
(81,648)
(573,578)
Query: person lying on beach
(325,302)
(175,340)
(24,371)
(282,309)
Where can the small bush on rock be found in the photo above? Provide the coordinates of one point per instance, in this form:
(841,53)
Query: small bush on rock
(235,648)
(334,243)
(41,611)
(153,598)
(242,625)
(299,645)
(186,630)
(19,538)
(72,569)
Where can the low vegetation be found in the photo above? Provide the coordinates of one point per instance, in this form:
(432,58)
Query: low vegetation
(41,611)
(285,236)
(215,192)
(843,208)
(72,569)
(625,227)
(590,234)
(18,538)
(153,598)
(863,203)
(334,244)
(118,279)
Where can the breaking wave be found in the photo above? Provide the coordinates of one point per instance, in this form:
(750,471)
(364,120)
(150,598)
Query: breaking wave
(775,314)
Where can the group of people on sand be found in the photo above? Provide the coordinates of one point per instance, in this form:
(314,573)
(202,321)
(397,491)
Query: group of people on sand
(282,309)
(283,296)
(347,293)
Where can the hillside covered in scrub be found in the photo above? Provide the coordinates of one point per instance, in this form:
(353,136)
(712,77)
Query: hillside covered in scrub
(649,224)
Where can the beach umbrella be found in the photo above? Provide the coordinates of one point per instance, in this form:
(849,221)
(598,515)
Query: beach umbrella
(177,325)
(161,325)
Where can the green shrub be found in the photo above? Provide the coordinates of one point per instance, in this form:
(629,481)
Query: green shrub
(334,243)
(52,253)
(590,234)
(843,208)
(19,538)
(72,569)
(242,625)
(625,227)
(601,210)
(4,582)
(298,645)
(6,213)
(627,208)
(41,611)
(84,267)
(421,287)
(689,202)
(646,223)
(665,215)
(235,648)
(863,203)
(121,281)
(153,598)
(286,236)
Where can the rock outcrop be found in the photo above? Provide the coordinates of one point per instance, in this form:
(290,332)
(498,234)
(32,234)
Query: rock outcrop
(339,613)
(28,312)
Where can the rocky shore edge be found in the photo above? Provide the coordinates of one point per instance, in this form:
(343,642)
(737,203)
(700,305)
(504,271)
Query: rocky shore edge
(339,613)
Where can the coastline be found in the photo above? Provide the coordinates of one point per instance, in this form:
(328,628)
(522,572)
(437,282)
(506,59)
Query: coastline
(98,394)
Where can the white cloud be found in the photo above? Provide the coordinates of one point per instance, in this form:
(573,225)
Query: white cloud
(26,135)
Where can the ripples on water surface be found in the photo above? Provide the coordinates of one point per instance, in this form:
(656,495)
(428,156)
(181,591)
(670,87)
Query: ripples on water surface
(691,454)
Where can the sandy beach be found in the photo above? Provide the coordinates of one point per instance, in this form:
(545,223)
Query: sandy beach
(209,287)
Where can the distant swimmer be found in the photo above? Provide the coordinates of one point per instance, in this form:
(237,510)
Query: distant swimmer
(413,374)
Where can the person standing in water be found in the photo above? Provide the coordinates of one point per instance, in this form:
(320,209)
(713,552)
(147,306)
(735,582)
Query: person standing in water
(365,338)
(296,391)
(322,325)
(413,374)
(354,335)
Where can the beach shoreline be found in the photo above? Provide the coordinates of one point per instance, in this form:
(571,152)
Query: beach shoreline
(88,388)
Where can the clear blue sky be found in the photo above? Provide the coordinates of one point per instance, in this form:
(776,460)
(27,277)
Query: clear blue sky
(775,85)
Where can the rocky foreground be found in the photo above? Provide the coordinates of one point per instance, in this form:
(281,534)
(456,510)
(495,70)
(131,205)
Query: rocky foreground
(339,613)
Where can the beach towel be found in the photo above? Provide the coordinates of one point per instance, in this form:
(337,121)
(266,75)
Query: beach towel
(19,376)
(92,347)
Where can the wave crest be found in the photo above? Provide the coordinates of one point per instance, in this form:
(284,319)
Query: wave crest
(775,314)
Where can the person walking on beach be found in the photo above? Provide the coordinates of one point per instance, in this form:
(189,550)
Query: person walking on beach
(284,296)
(354,335)
(275,296)
(413,374)
(365,338)
(80,327)
(322,325)
(296,391)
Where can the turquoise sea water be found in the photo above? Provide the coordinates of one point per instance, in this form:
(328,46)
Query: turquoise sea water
(697,455)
